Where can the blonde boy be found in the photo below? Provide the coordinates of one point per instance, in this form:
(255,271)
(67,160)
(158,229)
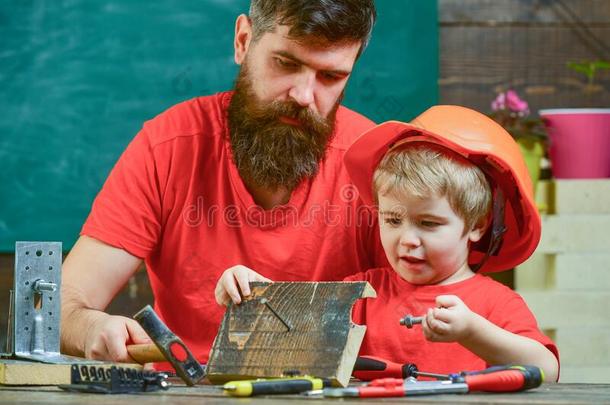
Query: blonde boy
(454,200)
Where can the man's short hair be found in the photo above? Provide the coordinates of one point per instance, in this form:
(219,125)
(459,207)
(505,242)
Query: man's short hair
(334,21)
(424,171)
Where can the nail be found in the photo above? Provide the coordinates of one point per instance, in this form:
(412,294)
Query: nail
(265,302)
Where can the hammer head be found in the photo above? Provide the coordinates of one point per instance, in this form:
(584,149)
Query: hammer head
(174,350)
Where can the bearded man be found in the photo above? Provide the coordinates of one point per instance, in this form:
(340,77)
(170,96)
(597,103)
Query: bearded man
(246,184)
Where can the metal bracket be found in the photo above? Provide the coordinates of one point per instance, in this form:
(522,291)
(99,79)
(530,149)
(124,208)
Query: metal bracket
(36,305)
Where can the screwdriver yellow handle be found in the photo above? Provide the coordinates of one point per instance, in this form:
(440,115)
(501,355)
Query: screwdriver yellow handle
(294,385)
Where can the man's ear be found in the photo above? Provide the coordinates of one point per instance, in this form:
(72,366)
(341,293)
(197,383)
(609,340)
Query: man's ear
(243,36)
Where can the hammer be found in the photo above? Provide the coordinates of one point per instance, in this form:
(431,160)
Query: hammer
(146,353)
(167,347)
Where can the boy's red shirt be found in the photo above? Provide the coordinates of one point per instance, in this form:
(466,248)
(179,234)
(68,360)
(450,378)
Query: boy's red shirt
(386,338)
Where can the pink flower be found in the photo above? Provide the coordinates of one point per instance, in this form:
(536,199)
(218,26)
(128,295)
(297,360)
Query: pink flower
(510,111)
(514,103)
(499,103)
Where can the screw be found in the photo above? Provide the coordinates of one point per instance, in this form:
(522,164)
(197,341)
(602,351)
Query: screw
(42,285)
(265,302)
(411,320)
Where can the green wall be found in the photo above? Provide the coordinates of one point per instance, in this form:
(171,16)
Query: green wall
(78,78)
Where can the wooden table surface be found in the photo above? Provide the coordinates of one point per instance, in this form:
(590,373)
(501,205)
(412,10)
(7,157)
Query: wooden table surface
(206,395)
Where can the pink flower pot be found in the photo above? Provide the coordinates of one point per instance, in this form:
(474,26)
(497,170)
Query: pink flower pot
(579,142)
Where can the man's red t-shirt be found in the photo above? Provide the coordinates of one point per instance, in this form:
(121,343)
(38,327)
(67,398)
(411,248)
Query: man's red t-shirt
(175,199)
(386,338)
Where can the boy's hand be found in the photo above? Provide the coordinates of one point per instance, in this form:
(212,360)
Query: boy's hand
(235,283)
(449,322)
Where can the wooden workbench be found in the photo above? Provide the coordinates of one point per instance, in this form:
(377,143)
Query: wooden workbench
(205,395)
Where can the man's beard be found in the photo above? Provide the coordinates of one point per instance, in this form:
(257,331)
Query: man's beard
(268,152)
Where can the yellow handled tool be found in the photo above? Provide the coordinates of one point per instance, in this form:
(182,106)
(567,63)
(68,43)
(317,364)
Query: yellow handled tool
(292,385)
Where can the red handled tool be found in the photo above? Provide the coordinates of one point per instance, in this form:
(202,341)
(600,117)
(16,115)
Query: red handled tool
(502,378)
(494,379)
(369,368)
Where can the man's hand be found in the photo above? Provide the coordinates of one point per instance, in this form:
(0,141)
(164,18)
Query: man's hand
(235,283)
(92,274)
(109,335)
(450,321)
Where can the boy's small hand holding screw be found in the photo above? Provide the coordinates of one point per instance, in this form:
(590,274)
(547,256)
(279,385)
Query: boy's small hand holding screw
(450,321)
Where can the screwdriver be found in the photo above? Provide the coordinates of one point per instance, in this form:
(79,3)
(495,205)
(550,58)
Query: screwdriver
(292,385)
(496,379)
(369,368)
(505,378)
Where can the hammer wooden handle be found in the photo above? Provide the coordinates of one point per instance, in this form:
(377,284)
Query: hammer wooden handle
(145,353)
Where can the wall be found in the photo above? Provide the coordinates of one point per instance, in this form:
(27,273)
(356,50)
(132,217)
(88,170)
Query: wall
(79,78)
(487,46)
(567,279)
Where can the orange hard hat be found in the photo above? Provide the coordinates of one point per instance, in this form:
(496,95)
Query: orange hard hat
(515,229)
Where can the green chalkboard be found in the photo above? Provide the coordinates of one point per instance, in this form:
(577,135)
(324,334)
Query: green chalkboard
(78,78)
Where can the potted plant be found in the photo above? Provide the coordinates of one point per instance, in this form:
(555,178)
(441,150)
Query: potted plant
(580,137)
(590,69)
(513,113)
